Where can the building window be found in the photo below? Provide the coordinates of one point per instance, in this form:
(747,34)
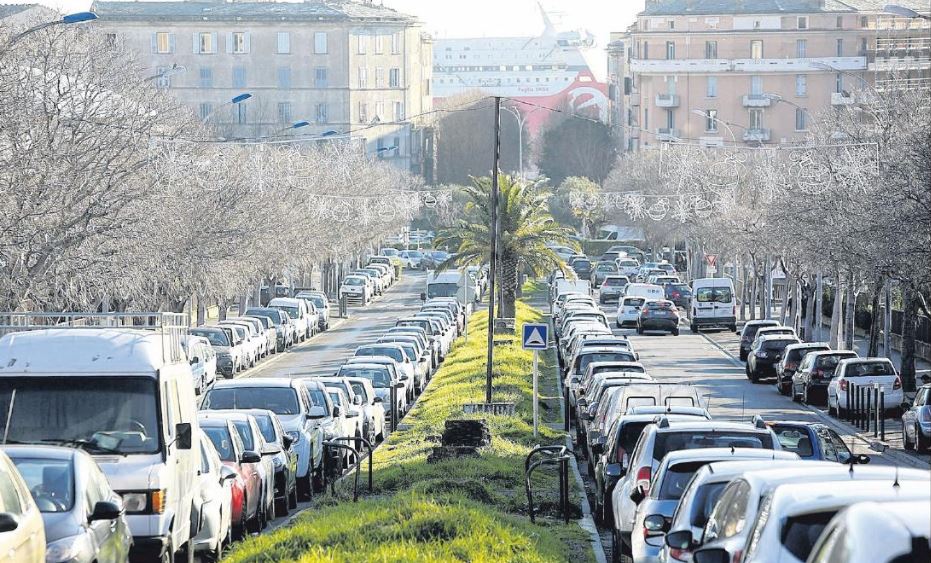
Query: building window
(756,118)
(672,24)
(670,119)
(239,77)
(670,50)
(361,43)
(206,77)
(711,120)
(363,112)
(801,120)
(803,22)
(646,50)
(284,112)
(320,77)
(363,77)
(205,43)
(162,42)
(801,85)
(801,48)
(396,43)
(426,87)
(239,42)
(840,22)
(840,47)
(162,78)
(320,44)
(756,49)
(399,111)
(379,77)
(379,45)
(241,114)
(204,110)
(284,43)
(711,49)
(320,113)
(394,78)
(284,77)
(712,89)
(756,85)
(380,111)
(864,22)
(838,83)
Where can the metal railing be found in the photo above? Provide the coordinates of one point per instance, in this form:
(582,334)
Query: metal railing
(555,455)
(335,443)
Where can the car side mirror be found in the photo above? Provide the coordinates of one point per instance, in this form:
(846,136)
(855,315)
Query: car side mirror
(287,442)
(711,555)
(637,494)
(336,411)
(195,360)
(614,470)
(597,448)
(378,400)
(357,400)
(905,406)
(184,435)
(878,447)
(582,403)
(226,473)
(8,522)
(862,459)
(271,450)
(400,384)
(423,296)
(680,539)
(250,456)
(105,510)
(585,415)
(404,378)
(655,525)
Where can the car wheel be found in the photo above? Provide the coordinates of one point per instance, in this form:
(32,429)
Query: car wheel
(240,528)
(618,323)
(254,524)
(292,497)
(906,443)
(831,410)
(639,329)
(922,444)
(694,328)
(216,553)
(743,356)
(804,398)
(281,507)
(733,328)
(306,486)
(754,377)
(675,332)
(615,547)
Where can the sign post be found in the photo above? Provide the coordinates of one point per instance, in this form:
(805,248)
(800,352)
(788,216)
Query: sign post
(712,260)
(535,337)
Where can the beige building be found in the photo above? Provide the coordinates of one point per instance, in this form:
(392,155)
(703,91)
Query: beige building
(758,71)
(347,68)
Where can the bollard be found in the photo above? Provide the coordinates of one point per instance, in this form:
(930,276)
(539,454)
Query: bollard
(869,410)
(848,416)
(882,419)
(879,412)
(565,392)
(394,407)
(855,420)
(564,487)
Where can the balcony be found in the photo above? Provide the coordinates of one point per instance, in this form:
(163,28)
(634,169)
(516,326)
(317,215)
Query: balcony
(663,66)
(842,99)
(757,101)
(756,135)
(667,101)
(667,134)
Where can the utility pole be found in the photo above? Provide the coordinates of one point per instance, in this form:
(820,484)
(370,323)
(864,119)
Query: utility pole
(494,251)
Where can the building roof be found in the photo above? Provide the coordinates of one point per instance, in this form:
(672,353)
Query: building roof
(207,10)
(743,7)
(7,10)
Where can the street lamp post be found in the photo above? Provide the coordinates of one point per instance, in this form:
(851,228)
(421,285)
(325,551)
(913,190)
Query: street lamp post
(897,10)
(521,120)
(77,17)
(235,100)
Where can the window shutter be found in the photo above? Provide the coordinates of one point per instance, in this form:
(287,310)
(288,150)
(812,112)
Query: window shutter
(155,43)
(248,41)
(171,42)
(229,42)
(195,42)
(213,41)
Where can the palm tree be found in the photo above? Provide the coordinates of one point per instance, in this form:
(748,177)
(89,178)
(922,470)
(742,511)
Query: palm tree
(525,228)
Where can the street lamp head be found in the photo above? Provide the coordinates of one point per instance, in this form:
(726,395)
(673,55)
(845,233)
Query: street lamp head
(79,17)
(240,98)
(822,66)
(897,10)
(299,124)
(699,112)
(773,97)
(329,133)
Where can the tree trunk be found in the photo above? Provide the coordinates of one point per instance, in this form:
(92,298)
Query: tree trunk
(508,283)
(744,290)
(224,305)
(909,316)
(850,329)
(836,329)
(789,290)
(810,312)
(754,289)
(875,317)
(201,310)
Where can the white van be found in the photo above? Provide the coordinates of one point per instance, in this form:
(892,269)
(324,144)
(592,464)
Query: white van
(299,313)
(645,290)
(714,303)
(119,387)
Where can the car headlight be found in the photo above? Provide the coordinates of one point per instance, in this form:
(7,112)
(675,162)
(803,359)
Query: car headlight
(152,502)
(276,461)
(72,547)
(294,435)
(760,354)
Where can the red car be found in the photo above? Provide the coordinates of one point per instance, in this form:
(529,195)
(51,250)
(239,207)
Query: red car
(247,486)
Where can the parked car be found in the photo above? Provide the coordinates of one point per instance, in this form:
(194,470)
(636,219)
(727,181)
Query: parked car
(678,293)
(324,414)
(411,259)
(814,442)
(22,528)
(298,312)
(244,341)
(373,409)
(252,440)
(228,360)
(612,288)
(284,460)
(268,329)
(815,373)
(350,420)
(765,354)
(389,366)
(869,372)
(380,380)
(322,304)
(203,360)
(628,311)
(851,535)
(916,421)
(257,332)
(355,288)
(658,315)
(748,334)
(246,481)
(714,304)
(603,269)
(214,505)
(791,358)
(288,399)
(395,352)
(284,330)
(125,396)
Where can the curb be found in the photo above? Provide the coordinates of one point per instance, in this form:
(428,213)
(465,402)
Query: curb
(892,453)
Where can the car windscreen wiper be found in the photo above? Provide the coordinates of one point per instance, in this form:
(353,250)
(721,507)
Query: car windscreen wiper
(89,445)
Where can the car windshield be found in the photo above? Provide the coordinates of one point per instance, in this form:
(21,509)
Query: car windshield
(99,414)
(50,481)
(581,264)
(705,498)
(799,533)
(317,301)
(354,281)
(245,434)
(792,439)
(442,290)
(292,312)
(615,282)
(392,352)
(677,478)
(221,441)
(279,400)
(266,427)
(698,439)
(867,369)
(317,396)
(272,314)
(380,378)
(214,336)
(714,295)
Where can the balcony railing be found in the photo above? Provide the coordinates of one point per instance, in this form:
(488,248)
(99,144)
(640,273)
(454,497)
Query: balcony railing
(757,101)
(658,66)
(667,101)
(842,99)
(756,135)
(667,134)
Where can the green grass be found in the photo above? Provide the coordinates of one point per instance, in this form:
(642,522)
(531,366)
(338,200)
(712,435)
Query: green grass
(465,509)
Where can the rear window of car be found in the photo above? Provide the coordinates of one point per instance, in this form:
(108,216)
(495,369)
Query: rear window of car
(796,354)
(633,301)
(629,434)
(615,282)
(867,369)
(579,264)
(698,439)
(714,295)
(830,361)
(799,533)
(777,345)
(603,357)
(661,305)
(392,352)
(677,478)
(279,400)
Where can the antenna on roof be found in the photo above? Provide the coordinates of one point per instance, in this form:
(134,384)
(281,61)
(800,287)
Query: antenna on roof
(895,483)
(732,449)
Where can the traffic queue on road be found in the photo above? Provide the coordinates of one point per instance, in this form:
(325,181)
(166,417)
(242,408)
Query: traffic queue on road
(674,484)
(118,445)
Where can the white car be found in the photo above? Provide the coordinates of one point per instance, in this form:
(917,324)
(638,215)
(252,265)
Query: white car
(248,342)
(299,313)
(372,405)
(355,288)
(396,353)
(628,267)
(365,367)
(865,372)
(256,333)
(213,504)
(628,311)
(852,535)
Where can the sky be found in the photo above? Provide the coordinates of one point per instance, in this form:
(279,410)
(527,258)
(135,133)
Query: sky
(478,18)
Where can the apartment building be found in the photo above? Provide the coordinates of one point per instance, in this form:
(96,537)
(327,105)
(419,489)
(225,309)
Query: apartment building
(350,69)
(757,72)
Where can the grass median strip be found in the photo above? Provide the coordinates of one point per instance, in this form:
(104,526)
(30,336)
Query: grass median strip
(458,509)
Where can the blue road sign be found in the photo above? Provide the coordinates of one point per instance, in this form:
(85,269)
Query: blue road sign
(535,336)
